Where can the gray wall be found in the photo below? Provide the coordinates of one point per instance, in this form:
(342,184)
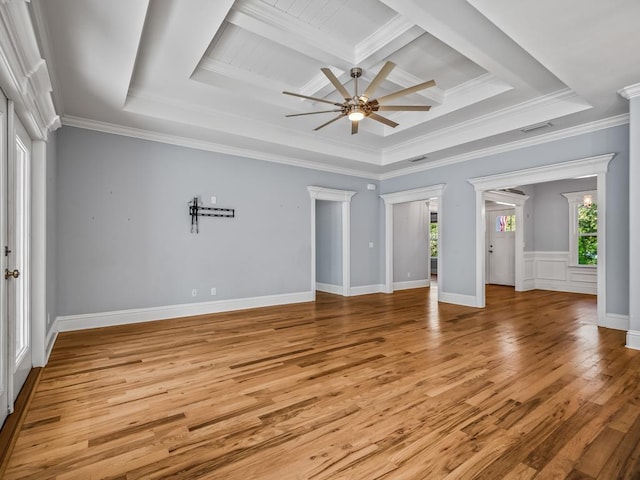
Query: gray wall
(551,213)
(410,242)
(123,225)
(51,233)
(329,242)
(458,235)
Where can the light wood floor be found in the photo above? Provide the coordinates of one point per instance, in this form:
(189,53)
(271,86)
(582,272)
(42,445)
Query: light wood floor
(372,387)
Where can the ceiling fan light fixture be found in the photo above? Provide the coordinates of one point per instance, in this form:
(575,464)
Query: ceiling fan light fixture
(356,114)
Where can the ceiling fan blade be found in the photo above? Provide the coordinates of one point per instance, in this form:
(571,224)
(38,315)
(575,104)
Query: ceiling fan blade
(354,127)
(378,79)
(312,113)
(404,108)
(407,91)
(336,83)
(315,99)
(330,121)
(381,119)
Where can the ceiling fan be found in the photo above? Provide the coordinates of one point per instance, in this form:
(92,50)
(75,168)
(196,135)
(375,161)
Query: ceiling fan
(358,106)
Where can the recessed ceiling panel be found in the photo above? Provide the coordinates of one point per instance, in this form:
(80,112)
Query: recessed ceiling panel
(427,57)
(254,54)
(350,20)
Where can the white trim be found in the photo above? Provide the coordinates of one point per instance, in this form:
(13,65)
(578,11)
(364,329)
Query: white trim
(410,284)
(630,92)
(457,299)
(23,73)
(125,317)
(366,289)
(38,251)
(132,132)
(114,129)
(616,321)
(586,166)
(333,195)
(52,336)
(328,288)
(633,339)
(590,127)
(432,192)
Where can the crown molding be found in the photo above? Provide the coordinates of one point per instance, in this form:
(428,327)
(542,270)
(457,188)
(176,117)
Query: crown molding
(177,140)
(560,103)
(23,73)
(630,92)
(590,127)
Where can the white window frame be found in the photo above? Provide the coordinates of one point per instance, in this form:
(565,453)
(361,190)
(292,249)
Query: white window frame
(576,199)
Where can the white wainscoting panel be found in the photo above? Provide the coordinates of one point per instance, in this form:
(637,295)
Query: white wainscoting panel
(551,271)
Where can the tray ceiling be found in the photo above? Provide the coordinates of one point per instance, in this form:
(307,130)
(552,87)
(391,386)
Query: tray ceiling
(210,74)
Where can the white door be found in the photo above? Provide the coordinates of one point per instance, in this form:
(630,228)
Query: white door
(501,265)
(4,341)
(16,255)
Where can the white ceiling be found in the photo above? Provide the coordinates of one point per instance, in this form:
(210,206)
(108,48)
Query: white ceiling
(211,73)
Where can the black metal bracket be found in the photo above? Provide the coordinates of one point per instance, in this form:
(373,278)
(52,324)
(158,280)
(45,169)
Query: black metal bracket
(195,211)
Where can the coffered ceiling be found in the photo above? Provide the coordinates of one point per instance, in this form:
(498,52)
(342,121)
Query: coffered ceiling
(211,73)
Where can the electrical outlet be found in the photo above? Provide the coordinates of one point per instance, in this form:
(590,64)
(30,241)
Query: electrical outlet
(408,274)
(194,292)
(370,244)
(213,291)
(213,200)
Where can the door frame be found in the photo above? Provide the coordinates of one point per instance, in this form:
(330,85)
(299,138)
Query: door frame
(344,197)
(597,165)
(432,192)
(517,201)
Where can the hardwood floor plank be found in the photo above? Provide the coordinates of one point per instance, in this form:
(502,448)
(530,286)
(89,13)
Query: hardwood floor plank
(373,387)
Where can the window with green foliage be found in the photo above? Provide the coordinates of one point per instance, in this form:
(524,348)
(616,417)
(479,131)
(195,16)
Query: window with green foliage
(583,228)
(433,239)
(588,234)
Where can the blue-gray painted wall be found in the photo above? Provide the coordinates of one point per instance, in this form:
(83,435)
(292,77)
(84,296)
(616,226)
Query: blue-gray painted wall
(123,225)
(329,242)
(123,236)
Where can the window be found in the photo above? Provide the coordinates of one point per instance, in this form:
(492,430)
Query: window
(583,228)
(505,223)
(433,239)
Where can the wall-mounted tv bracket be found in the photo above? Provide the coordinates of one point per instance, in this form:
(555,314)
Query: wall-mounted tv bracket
(195,211)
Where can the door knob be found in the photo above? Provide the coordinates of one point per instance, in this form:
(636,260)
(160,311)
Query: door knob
(8,273)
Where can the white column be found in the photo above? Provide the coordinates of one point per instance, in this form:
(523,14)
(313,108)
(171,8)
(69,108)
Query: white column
(633,94)
(38,252)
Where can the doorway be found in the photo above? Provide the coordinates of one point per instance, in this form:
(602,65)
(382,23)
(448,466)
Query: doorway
(501,244)
(16,345)
(344,197)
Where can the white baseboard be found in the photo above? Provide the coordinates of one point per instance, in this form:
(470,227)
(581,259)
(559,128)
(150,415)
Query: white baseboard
(366,290)
(458,299)
(329,288)
(633,339)
(410,284)
(557,286)
(616,321)
(123,317)
(50,341)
